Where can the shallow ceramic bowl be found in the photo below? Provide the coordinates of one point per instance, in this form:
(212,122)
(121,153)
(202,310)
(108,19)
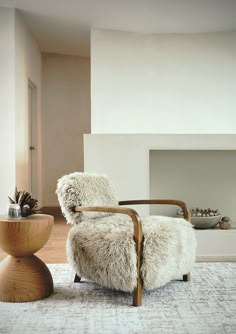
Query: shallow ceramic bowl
(204,222)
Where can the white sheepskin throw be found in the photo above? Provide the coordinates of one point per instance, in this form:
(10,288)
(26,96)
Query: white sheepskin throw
(84,189)
(101,247)
(103,250)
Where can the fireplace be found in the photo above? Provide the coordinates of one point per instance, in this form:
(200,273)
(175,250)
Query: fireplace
(200,169)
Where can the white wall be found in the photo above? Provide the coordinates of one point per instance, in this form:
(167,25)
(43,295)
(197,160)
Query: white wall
(7,106)
(20,60)
(27,67)
(168,83)
(65,118)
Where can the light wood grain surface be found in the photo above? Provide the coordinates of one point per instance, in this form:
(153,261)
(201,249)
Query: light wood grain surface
(54,251)
(24,279)
(23,276)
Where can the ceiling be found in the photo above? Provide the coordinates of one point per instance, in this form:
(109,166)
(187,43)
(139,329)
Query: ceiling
(63,26)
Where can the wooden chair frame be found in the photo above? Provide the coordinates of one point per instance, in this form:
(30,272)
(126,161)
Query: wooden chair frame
(137,232)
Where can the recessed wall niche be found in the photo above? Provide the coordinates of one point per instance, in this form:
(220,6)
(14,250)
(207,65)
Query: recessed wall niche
(201,178)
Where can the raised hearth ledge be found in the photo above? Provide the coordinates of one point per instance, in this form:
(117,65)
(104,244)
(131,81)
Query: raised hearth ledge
(216,245)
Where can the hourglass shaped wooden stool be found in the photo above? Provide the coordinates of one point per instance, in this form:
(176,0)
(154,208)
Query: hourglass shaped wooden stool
(23,276)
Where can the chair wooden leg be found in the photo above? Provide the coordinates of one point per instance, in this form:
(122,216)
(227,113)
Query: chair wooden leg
(186,278)
(138,293)
(77,278)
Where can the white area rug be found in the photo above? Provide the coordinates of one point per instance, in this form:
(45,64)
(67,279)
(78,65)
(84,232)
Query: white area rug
(205,305)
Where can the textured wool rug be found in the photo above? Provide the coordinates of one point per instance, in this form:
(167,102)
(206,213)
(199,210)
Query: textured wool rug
(205,305)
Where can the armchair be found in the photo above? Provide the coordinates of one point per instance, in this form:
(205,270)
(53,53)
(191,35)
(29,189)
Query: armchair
(115,247)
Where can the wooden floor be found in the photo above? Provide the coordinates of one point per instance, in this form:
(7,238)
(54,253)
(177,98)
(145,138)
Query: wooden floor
(54,250)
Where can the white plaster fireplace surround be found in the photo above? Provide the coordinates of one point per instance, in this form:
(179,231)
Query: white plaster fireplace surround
(126,160)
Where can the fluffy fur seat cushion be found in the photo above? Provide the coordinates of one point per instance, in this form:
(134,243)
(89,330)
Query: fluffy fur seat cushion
(103,250)
(101,247)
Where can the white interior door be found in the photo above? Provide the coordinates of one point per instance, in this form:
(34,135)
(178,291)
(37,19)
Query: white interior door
(33,151)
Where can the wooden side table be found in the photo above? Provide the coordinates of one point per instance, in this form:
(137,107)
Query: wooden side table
(23,276)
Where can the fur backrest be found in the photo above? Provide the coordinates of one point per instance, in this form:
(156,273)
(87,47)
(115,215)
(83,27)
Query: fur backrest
(84,189)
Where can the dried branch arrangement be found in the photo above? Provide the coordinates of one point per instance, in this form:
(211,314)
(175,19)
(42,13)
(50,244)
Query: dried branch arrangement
(28,205)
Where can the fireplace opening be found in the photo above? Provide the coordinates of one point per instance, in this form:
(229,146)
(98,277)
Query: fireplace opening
(201,178)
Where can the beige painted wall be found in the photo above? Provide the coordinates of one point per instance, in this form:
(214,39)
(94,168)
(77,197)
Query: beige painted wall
(7,106)
(27,67)
(65,118)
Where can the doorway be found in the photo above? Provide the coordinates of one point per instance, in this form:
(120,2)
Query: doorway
(33,139)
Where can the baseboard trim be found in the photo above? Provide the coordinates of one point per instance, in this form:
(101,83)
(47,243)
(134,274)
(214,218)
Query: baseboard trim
(216,258)
(52,210)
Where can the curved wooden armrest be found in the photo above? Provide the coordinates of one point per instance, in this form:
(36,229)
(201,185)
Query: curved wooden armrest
(138,234)
(138,238)
(179,203)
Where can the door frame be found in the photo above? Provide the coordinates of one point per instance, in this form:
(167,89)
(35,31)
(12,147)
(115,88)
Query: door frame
(33,155)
